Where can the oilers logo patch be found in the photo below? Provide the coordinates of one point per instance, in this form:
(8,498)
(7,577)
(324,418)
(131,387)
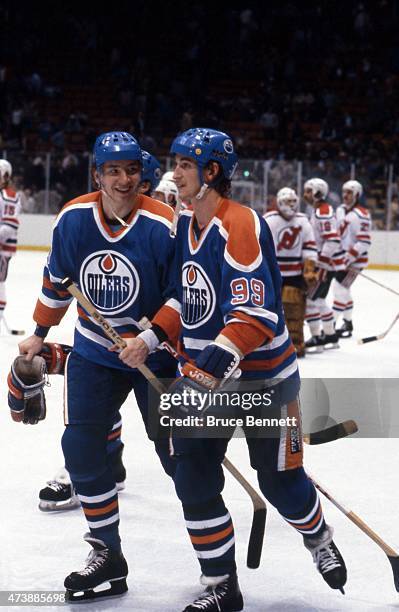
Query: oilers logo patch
(198,296)
(288,238)
(110,281)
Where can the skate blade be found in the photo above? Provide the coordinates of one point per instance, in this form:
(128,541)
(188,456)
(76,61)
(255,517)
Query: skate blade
(314,349)
(331,345)
(117,588)
(51,506)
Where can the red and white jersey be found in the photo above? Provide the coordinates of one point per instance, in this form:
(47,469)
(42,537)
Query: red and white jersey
(329,248)
(294,241)
(10,208)
(354,227)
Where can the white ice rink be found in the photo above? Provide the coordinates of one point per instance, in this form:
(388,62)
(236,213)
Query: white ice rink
(38,550)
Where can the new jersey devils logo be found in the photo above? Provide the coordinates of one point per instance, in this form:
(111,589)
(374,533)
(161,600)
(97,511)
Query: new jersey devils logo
(199,300)
(342,227)
(110,281)
(288,238)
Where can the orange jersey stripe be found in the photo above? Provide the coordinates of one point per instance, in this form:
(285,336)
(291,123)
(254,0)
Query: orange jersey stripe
(168,320)
(114,434)
(239,223)
(209,539)
(245,337)
(103,510)
(47,284)
(267,364)
(43,315)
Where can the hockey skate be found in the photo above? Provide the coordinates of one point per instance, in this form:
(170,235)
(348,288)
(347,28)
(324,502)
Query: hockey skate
(328,559)
(330,341)
(59,494)
(345,331)
(103,566)
(315,344)
(222,594)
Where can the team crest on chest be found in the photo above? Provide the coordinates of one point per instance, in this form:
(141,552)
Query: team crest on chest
(110,281)
(198,296)
(288,238)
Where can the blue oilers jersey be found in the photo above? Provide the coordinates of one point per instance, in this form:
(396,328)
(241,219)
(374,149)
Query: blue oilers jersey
(229,274)
(123,273)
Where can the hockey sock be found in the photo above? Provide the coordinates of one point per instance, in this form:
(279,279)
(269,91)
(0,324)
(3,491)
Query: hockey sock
(338,309)
(313,319)
(211,532)
(348,311)
(328,323)
(309,522)
(3,300)
(85,459)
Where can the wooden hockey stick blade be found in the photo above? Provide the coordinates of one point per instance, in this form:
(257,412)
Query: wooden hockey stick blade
(255,542)
(335,432)
(369,339)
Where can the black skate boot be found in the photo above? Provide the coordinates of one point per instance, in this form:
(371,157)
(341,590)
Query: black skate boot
(222,594)
(118,469)
(345,331)
(330,341)
(59,494)
(315,344)
(328,559)
(103,565)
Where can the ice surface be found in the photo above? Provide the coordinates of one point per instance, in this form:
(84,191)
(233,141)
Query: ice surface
(38,550)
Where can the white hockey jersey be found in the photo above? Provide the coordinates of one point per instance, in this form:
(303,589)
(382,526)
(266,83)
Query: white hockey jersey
(354,227)
(294,241)
(324,224)
(10,208)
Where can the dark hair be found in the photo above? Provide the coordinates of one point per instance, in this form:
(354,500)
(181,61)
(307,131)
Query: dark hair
(221,184)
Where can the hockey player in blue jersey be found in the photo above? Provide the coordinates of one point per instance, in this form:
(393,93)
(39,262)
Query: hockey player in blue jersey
(227,306)
(115,244)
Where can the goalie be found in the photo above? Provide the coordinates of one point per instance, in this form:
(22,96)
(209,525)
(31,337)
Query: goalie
(296,256)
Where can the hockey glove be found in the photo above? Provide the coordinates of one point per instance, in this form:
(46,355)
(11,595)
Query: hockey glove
(192,392)
(310,274)
(26,396)
(350,257)
(55,356)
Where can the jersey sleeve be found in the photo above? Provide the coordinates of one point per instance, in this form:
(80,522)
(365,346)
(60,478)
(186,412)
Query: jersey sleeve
(247,295)
(53,300)
(309,247)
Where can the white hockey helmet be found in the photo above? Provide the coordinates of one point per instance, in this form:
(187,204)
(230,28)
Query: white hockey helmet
(168,188)
(318,187)
(287,202)
(355,187)
(5,168)
(168,176)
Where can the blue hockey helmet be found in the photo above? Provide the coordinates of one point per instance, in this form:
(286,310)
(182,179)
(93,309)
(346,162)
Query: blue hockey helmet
(204,145)
(113,146)
(151,170)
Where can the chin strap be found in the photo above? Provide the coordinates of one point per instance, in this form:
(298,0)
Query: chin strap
(201,192)
(104,193)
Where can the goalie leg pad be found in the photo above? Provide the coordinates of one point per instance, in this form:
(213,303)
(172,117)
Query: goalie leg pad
(294,303)
(26,395)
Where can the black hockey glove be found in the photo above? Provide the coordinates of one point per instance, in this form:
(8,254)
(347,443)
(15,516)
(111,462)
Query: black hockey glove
(26,395)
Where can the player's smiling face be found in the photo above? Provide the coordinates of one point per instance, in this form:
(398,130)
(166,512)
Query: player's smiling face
(120,179)
(186,177)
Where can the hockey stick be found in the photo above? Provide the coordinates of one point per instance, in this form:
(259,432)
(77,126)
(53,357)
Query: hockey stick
(392,555)
(12,332)
(259,516)
(334,432)
(372,280)
(378,336)
(176,213)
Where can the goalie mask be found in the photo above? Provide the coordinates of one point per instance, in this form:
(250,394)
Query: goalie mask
(287,202)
